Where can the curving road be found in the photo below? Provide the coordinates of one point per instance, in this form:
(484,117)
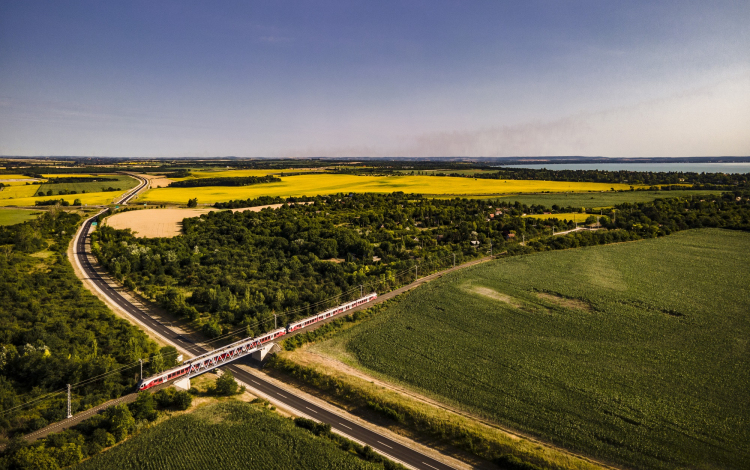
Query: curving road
(381,443)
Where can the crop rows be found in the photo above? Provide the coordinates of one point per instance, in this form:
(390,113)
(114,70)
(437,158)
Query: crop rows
(226,435)
(635,353)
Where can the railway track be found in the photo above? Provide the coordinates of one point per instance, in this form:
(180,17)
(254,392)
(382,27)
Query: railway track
(258,385)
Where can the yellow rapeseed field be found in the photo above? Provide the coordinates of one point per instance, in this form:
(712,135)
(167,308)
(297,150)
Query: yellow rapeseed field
(18,182)
(571,216)
(14,177)
(321,184)
(16,191)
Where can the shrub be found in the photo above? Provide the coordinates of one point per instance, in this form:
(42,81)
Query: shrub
(226,385)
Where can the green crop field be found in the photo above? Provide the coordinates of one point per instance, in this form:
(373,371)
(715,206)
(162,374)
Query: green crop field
(16,216)
(226,435)
(123,182)
(605,199)
(635,353)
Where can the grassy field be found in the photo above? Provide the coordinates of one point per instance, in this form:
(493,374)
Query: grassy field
(16,216)
(634,353)
(123,182)
(226,435)
(88,198)
(311,185)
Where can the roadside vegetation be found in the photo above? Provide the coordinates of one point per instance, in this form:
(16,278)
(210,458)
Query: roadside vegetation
(631,353)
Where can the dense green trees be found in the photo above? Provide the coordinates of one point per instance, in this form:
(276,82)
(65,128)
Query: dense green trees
(226,385)
(235,271)
(707,180)
(54,332)
(79,179)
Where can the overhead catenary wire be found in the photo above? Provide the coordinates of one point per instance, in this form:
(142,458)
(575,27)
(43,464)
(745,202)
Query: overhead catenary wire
(90,380)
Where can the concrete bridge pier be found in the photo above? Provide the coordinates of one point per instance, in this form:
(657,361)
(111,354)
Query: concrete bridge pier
(261,353)
(182,384)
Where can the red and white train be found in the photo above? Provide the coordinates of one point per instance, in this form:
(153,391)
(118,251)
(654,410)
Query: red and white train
(219,357)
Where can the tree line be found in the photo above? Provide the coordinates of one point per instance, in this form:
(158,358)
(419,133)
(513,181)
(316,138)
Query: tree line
(79,179)
(620,176)
(670,178)
(228,181)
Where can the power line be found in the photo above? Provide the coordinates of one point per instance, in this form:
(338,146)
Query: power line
(404,272)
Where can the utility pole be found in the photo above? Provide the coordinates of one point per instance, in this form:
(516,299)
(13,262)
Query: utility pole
(70,415)
(274,321)
(141,361)
(361,290)
(523,236)
(416,272)
(490,248)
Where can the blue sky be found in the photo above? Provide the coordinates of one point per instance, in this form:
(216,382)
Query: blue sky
(355,78)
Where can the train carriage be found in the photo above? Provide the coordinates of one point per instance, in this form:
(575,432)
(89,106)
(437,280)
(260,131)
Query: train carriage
(213,359)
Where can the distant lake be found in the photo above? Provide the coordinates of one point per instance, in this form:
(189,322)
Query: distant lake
(696,167)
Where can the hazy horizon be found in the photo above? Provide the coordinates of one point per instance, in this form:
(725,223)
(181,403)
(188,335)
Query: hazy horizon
(411,79)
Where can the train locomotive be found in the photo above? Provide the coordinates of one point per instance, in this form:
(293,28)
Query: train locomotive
(212,359)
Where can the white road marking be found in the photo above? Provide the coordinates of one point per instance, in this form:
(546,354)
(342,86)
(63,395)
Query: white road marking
(430,466)
(282,396)
(344,425)
(311,409)
(387,445)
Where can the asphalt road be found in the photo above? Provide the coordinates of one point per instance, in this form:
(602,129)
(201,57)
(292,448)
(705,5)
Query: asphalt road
(351,429)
